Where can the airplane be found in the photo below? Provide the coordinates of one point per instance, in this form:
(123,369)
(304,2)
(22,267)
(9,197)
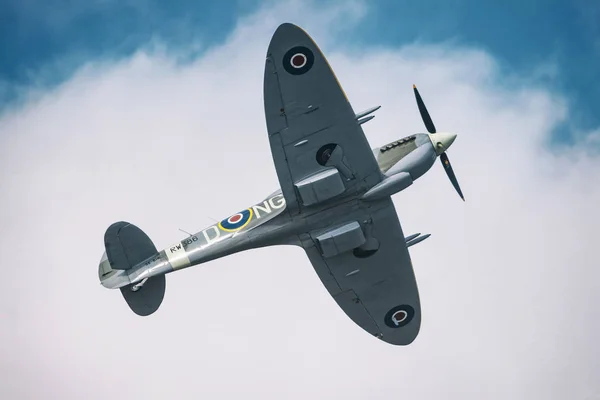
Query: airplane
(334,201)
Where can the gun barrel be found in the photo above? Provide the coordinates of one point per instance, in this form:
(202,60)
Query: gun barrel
(366,112)
(365,119)
(411,237)
(417,240)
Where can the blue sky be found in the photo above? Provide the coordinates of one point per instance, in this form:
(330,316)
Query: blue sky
(555,41)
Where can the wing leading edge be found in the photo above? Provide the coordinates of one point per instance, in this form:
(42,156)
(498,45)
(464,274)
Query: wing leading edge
(378,292)
(318,147)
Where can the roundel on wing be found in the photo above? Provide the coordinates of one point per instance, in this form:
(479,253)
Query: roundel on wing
(399,316)
(236,221)
(298,60)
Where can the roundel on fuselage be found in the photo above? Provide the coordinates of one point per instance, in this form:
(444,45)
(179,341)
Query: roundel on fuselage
(236,221)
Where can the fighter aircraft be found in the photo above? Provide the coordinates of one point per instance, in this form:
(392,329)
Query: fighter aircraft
(335,201)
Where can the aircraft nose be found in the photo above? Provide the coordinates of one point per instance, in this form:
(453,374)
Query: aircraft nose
(444,141)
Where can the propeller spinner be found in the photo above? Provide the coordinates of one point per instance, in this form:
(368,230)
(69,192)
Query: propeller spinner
(441,141)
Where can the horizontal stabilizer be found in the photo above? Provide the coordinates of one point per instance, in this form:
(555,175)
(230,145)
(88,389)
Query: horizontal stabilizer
(146,300)
(127,245)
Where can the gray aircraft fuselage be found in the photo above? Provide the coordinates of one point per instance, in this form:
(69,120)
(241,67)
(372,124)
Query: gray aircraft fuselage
(268,223)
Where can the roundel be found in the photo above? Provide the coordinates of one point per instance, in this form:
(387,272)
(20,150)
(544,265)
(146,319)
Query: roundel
(236,221)
(298,60)
(399,316)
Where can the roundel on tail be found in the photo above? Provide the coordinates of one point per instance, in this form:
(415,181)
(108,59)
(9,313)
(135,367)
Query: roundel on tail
(298,60)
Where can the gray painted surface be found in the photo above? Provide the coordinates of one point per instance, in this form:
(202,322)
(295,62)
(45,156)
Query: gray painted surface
(310,106)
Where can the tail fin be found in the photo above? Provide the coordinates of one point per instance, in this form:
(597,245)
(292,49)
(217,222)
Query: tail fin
(126,246)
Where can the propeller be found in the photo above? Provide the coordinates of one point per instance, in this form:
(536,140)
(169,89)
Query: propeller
(424,113)
(446,140)
(450,173)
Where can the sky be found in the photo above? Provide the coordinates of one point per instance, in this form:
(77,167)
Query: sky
(557,42)
(154,115)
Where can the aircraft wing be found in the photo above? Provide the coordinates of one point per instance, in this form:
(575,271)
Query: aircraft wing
(378,292)
(313,133)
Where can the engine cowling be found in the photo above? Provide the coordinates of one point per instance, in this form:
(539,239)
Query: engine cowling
(405,171)
(416,163)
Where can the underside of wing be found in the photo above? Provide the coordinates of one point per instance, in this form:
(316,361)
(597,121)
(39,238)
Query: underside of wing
(374,284)
(318,147)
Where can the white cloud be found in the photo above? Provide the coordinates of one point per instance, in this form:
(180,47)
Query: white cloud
(508,280)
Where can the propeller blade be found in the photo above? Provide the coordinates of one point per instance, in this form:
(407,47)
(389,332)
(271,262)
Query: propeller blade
(423,110)
(446,163)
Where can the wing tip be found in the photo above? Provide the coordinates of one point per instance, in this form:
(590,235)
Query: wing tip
(290,30)
(399,340)
(285,26)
